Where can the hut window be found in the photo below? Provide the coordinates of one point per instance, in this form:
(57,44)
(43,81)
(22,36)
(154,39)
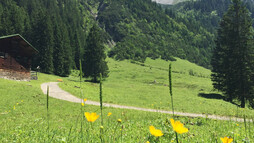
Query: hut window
(2,55)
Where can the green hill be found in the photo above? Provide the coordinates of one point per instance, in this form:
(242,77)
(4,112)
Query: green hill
(146,85)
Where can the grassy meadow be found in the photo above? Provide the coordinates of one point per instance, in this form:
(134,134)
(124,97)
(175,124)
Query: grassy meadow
(23,114)
(147,86)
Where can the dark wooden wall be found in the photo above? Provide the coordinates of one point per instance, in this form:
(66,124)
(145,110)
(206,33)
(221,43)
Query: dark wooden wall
(10,68)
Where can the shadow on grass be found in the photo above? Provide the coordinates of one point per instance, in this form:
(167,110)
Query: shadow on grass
(211,96)
(216,96)
(86,80)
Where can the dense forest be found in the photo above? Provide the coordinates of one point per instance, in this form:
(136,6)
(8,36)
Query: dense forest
(57,28)
(143,28)
(131,29)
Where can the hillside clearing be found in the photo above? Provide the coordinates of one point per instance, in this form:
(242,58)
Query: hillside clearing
(146,86)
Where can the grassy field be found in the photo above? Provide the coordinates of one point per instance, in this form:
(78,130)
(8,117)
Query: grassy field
(147,86)
(23,114)
(28,121)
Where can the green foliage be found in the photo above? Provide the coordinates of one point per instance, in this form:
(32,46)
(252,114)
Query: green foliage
(202,18)
(44,42)
(94,62)
(55,28)
(133,29)
(142,29)
(233,58)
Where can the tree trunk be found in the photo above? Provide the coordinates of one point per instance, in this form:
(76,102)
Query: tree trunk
(242,102)
(94,79)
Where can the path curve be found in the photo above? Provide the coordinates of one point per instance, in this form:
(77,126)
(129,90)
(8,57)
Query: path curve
(56,92)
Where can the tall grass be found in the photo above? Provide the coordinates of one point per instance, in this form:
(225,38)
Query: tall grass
(101,104)
(48,110)
(170,88)
(81,97)
(171,95)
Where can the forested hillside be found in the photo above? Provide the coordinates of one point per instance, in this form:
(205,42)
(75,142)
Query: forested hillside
(57,28)
(145,29)
(142,29)
(204,13)
(135,29)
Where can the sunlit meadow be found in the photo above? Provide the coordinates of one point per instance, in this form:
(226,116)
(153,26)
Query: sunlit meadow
(23,110)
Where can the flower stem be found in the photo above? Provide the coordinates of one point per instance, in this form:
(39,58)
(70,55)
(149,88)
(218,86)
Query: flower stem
(81,110)
(176,137)
(48,110)
(170,88)
(101,107)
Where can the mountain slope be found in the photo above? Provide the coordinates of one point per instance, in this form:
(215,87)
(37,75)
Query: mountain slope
(135,29)
(142,29)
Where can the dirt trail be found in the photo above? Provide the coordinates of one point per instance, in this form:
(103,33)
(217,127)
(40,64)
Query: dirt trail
(56,92)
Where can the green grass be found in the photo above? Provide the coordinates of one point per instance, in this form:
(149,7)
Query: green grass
(147,86)
(27,123)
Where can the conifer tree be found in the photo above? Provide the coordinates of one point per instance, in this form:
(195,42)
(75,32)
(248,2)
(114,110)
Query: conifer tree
(232,60)
(68,62)
(58,51)
(44,41)
(94,56)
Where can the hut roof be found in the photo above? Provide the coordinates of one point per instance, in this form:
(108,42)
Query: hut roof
(16,44)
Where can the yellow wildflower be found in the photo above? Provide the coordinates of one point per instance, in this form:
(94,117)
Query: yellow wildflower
(237,124)
(109,113)
(155,132)
(83,104)
(178,126)
(91,117)
(101,127)
(147,142)
(119,120)
(226,140)
(14,107)
(85,99)
(17,103)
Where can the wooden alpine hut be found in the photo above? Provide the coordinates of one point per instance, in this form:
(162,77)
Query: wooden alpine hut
(15,57)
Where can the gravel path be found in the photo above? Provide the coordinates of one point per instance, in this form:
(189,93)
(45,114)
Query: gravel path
(56,92)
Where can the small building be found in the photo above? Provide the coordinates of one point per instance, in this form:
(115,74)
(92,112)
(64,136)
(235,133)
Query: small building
(15,57)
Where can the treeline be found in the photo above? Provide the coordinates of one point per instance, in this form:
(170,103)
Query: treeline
(57,28)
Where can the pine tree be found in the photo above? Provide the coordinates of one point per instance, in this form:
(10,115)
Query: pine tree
(68,61)
(58,51)
(44,40)
(94,56)
(232,60)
